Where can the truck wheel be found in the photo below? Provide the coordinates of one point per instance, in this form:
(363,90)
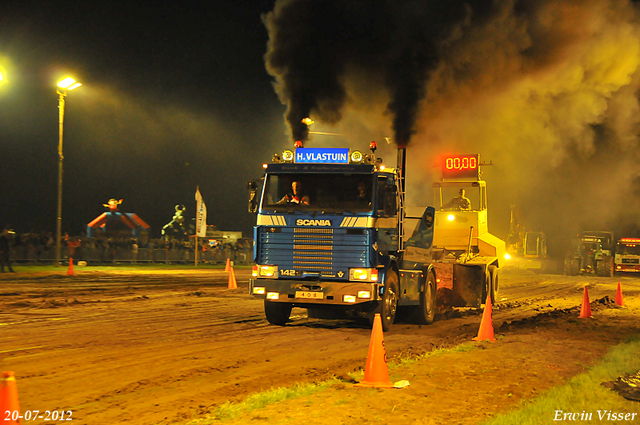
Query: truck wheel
(608,266)
(488,287)
(277,313)
(601,267)
(571,266)
(426,311)
(494,273)
(388,306)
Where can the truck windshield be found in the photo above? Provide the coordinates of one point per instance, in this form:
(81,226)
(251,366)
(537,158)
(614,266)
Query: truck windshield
(628,249)
(318,192)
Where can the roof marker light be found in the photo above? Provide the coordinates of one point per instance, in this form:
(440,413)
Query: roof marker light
(287,155)
(356,156)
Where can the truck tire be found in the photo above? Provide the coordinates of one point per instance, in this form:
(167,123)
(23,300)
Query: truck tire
(488,287)
(571,266)
(277,313)
(388,305)
(608,266)
(426,311)
(494,272)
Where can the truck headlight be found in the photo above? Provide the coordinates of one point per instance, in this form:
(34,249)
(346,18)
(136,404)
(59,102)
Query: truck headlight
(349,298)
(364,294)
(363,275)
(259,290)
(265,271)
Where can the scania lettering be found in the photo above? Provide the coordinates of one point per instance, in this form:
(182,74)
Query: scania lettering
(301,222)
(356,248)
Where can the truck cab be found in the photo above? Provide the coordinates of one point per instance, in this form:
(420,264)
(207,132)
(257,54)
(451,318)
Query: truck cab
(335,244)
(627,257)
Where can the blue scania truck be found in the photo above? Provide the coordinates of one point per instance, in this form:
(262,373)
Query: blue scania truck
(333,233)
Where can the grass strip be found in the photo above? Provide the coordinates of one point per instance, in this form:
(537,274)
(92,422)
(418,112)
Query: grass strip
(583,398)
(256,401)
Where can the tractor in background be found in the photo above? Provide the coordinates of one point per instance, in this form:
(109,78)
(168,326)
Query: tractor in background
(593,255)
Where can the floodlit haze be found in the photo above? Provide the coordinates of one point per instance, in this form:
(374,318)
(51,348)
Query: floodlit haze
(546,90)
(183,94)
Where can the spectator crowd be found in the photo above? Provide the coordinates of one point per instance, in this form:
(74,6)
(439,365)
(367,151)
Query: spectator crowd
(33,248)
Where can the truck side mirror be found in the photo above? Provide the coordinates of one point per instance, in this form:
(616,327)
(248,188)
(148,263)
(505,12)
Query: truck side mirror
(252,186)
(427,218)
(390,207)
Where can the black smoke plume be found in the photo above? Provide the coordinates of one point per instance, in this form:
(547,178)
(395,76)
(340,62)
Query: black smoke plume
(313,43)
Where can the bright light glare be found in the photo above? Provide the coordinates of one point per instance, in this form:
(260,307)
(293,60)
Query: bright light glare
(451,217)
(0,76)
(68,83)
(507,256)
(287,155)
(364,294)
(356,156)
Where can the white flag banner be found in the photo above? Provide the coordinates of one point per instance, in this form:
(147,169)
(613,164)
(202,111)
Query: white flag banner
(201,216)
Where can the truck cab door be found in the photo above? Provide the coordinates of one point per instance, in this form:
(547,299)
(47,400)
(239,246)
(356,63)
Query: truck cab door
(387,214)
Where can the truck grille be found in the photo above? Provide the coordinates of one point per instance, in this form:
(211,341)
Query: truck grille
(630,261)
(315,250)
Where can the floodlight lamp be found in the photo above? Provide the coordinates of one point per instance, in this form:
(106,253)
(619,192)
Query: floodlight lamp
(68,83)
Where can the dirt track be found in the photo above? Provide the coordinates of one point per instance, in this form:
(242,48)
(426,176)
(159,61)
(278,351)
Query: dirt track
(166,346)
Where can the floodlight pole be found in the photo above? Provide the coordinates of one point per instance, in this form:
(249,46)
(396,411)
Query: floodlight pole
(61,102)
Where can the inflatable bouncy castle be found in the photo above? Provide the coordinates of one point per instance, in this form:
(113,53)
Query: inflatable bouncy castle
(115,219)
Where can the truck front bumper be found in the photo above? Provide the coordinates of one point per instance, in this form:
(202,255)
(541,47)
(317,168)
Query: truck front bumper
(627,268)
(305,292)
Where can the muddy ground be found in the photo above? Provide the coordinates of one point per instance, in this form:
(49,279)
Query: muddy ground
(166,346)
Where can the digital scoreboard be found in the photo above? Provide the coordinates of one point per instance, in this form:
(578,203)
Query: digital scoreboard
(460,166)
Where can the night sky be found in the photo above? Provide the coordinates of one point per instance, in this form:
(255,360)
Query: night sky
(175,95)
(181,94)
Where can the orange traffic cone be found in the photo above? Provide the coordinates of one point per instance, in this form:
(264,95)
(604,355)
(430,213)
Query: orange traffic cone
(585,310)
(70,269)
(619,299)
(376,372)
(232,279)
(485,333)
(228,266)
(9,399)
